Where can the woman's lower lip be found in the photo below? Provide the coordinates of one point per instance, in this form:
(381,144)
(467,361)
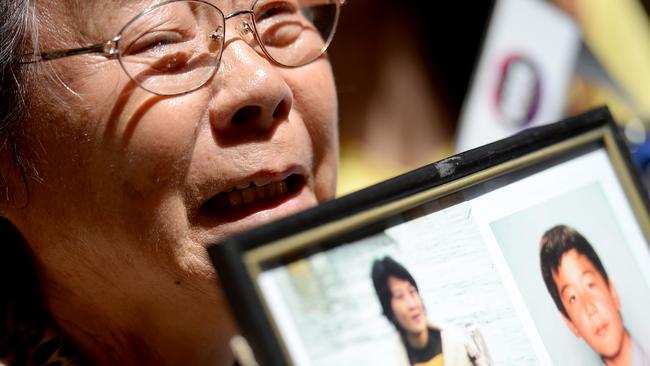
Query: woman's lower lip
(251,209)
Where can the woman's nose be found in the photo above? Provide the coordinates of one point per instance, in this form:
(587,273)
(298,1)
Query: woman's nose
(250,95)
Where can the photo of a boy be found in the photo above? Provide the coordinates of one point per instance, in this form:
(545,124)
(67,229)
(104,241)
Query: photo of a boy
(585,296)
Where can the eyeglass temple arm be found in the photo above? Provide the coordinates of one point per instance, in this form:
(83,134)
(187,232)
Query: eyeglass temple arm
(30,58)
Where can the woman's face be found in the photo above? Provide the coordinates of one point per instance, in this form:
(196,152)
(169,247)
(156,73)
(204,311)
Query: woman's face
(134,186)
(407,306)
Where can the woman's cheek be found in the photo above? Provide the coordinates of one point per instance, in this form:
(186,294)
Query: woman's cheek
(157,152)
(315,100)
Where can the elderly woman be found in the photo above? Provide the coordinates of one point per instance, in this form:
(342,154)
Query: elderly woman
(133,133)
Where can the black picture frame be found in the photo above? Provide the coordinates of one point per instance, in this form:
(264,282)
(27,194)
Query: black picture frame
(457,173)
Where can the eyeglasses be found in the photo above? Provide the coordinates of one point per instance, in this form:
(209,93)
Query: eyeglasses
(175,47)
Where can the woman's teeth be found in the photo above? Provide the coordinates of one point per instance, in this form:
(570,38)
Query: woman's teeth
(245,194)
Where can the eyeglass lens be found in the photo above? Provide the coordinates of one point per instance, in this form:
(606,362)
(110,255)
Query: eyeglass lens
(171,49)
(176,47)
(295,32)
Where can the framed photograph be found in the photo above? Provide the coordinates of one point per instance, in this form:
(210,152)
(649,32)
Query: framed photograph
(532,250)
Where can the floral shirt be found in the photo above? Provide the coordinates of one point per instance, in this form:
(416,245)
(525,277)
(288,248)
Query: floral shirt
(28,337)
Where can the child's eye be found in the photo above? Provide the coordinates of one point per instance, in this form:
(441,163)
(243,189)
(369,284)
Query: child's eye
(572,299)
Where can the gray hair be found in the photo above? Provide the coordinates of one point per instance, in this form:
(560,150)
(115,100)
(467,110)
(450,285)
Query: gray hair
(17,31)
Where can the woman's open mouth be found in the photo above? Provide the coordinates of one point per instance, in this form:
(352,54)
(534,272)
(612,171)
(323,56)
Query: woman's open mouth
(248,198)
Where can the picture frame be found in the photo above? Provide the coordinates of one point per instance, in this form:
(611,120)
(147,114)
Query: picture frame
(301,289)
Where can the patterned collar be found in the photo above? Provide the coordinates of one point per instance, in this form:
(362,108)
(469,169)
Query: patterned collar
(28,337)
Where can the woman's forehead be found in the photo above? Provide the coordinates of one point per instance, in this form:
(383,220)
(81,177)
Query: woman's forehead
(117,5)
(94,19)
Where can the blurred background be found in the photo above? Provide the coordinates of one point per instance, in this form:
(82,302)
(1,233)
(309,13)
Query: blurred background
(421,80)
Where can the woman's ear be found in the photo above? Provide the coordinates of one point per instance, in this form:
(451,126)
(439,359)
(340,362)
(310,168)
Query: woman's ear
(13,185)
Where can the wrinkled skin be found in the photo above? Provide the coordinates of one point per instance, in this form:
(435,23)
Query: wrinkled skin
(117,223)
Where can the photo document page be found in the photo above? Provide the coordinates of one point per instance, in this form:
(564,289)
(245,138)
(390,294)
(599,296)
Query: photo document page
(551,269)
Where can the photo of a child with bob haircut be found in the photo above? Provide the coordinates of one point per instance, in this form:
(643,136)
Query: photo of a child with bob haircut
(426,343)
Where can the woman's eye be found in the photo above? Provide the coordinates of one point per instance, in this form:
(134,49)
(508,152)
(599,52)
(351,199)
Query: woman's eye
(274,9)
(154,43)
(280,23)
